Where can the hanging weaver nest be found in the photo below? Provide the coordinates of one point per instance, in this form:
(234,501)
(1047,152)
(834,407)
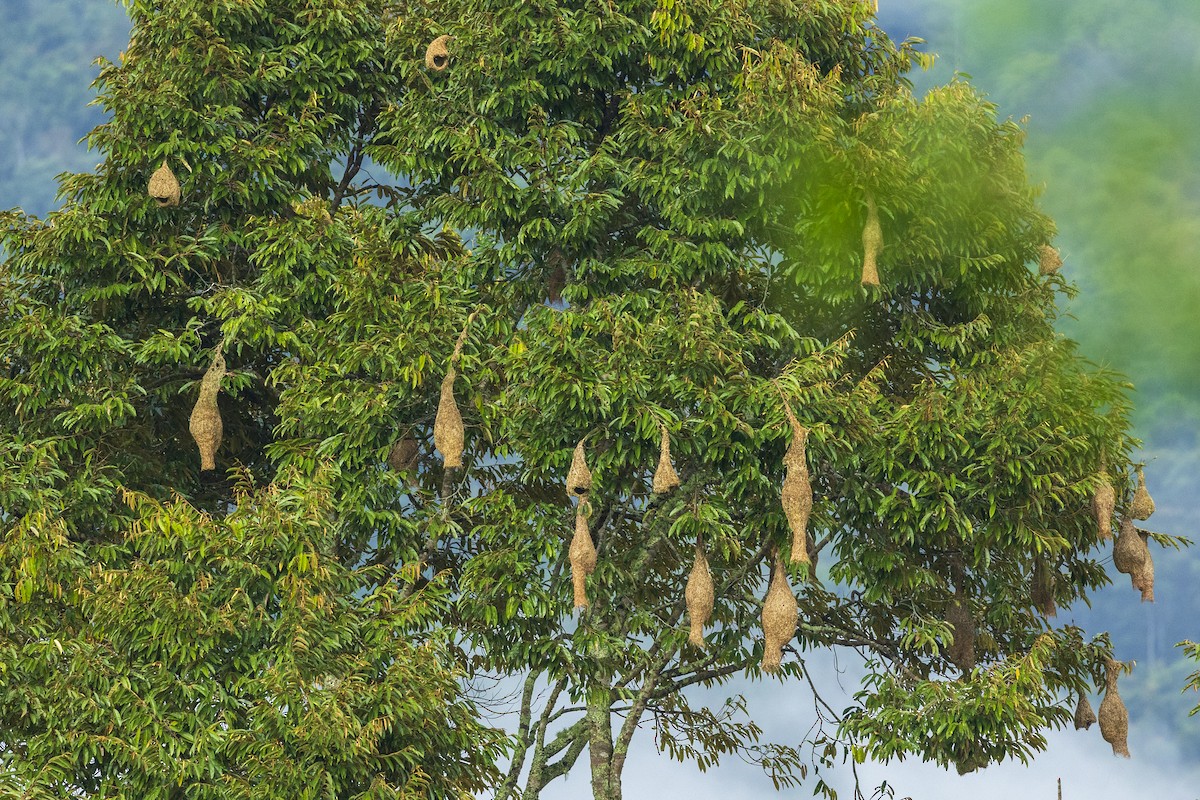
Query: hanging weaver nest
(1114,718)
(1129,551)
(1143,504)
(205,425)
(1084,716)
(403,455)
(164,187)
(1041,589)
(666,479)
(437,55)
(1049,261)
(779,616)
(872,244)
(557,279)
(448,432)
(962,650)
(700,596)
(582,554)
(797,496)
(1143,576)
(579,477)
(1104,501)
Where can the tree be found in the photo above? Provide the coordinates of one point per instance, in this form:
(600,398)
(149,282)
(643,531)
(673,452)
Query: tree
(380,208)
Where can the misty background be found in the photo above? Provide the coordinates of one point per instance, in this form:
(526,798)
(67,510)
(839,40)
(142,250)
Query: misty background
(1111,91)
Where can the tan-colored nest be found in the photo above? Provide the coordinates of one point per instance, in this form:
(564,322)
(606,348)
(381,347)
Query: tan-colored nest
(206,426)
(666,479)
(437,55)
(1143,504)
(872,244)
(780,614)
(579,477)
(557,278)
(1049,261)
(582,555)
(1143,577)
(1104,501)
(796,496)
(448,432)
(1129,551)
(1041,588)
(962,650)
(1085,717)
(1114,717)
(700,597)
(404,454)
(164,187)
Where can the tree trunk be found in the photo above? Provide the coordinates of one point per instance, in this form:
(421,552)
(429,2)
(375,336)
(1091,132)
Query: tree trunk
(606,781)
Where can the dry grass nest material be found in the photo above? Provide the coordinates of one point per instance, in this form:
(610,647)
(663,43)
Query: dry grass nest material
(700,597)
(797,496)
(1049,261)
(437,55)
(872,238)
(780,614)
(1114,717)
(1042,588)
(1129,551)
(206,426)
(448,432)
(666,479)
(1142,505)
(164,187)
(1143,577)
(582,555)
(579,477)
(1085,717)
(1104,502)
(404,454)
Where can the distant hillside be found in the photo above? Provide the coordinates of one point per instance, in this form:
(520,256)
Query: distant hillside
(46,52)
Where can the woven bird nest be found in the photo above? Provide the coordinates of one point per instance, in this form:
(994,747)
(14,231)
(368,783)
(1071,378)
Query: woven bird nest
(579,477)
(780,614)
(206,426)
(1143,577)
(1085,717)
(437,55)
(404,454)
(1114,717)
(962,649)
(666,479)
(1129,551)
(700,597)
(1049,261)
(448,431)
(164,187)
(796,496)
(1104,501)
(872,238)
(1041,588)
(1142,505)
(582,555)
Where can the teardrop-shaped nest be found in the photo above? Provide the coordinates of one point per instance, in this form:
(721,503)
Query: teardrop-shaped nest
(404,454)
(1114,717)
(962,650)
(1104,502)
(205,425)
(1042,588)
(666,479)
(1085,717)
(1129,551)
(437,55)
(579,477)
(1142,505)
(780,614)
(582,555)
(1143,577)
(1049,261)
(872,244)
(448,431)
(700,597)
(796,495)
(164,187)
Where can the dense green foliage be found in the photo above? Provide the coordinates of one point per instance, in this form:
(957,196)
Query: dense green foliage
(700,176)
